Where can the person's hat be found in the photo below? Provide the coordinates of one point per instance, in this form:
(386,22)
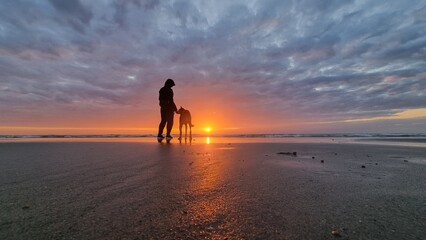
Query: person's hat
(170,82)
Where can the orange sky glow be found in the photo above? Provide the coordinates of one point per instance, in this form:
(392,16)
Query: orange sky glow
(224,112)
(220,121)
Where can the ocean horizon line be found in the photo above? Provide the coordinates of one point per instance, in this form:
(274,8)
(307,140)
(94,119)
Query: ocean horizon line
(251,135)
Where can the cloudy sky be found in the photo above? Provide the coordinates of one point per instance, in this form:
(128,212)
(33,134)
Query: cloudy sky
(246,66)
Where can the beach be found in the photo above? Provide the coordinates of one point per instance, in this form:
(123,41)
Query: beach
(211,190)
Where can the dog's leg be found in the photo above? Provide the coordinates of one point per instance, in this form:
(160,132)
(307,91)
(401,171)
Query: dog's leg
(186,131)
(190,120)
(180,131)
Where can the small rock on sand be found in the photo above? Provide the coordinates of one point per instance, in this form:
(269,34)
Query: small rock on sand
(336,233)
(363,166)
(322,161)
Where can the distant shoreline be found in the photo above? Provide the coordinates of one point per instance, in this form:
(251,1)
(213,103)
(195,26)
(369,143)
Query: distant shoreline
(407,141)
(364,136)
(399,139)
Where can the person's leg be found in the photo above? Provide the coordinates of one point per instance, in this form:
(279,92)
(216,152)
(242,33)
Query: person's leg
(170,118)
(163,122)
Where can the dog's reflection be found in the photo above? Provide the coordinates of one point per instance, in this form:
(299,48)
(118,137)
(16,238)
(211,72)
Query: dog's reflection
(186,140)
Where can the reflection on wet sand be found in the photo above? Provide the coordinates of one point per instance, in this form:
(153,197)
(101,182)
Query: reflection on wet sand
(185,140)
(190,139)
(208,201)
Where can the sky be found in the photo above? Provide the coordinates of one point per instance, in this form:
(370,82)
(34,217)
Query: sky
(241,66)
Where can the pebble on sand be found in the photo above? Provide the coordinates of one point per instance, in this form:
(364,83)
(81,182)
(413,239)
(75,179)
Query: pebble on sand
(322,161)
(335,233)
(363,166)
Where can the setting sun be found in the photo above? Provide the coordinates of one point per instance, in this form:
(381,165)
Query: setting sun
(207,129)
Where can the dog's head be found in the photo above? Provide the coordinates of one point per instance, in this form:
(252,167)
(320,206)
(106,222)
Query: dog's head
(180,111)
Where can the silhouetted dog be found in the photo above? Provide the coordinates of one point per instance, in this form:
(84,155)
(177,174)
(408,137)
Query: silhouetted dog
(184,119)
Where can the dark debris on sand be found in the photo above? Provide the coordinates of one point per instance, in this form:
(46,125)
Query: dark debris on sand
(288,153)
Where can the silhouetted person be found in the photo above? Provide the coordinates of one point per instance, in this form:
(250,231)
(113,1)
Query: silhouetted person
(168,108)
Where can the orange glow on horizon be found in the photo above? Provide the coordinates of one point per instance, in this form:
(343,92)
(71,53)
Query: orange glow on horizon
(222,120)
(407,114)
(18,130)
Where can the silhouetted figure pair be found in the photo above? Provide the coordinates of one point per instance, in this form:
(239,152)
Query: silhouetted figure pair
(168,108)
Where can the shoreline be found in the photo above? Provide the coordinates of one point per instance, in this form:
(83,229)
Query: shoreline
(391,141)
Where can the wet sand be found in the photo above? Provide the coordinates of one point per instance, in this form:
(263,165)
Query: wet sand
(142,190)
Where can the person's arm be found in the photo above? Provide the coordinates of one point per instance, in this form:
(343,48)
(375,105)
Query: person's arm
(174,106)
(171,102)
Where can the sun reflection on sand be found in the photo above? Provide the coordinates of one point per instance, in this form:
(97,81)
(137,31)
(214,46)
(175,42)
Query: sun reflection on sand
(209,207)
(207,140)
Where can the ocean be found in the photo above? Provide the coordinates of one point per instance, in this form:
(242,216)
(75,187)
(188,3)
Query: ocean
(397,139)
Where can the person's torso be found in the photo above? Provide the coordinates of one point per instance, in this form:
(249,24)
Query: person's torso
(166,97)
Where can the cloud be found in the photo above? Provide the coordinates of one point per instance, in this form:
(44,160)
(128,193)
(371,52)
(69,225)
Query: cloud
(73,13)
(312,60)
